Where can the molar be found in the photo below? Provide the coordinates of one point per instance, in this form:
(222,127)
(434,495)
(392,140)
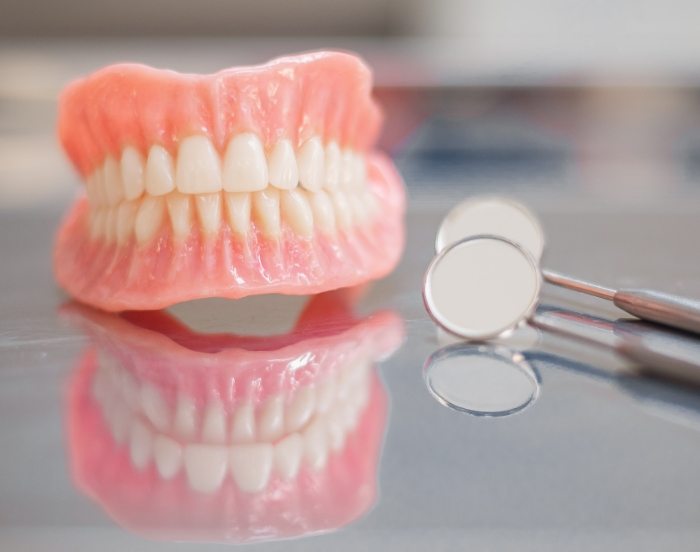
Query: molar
(159,171)
(297,212)
(311,165)
(343,211)
(282,166)
(132,173)
(266,206)
(315,444)
(198,166)
(245,167)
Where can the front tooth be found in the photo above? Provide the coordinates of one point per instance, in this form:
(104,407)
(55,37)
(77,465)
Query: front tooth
(297,212)
(266,206)
(132,173)
(159,178)
(251,466)
(245,167)
(315,444)
(323,211)
(214,424)
(180,211)
(243,424)
(149,218)
(167,454)
(238,211)
(311,165)
(198,167)
(343,211)
(185,417)
(287,456)
(300,409)
(332,165)
(205,466)
(125,220)
(282,166)
(140,444)
(271,423)
(154,407)
(112,181)
(209,212)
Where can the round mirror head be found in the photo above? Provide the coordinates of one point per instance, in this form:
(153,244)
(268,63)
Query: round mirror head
(481,380)
(496,216)
(481,287)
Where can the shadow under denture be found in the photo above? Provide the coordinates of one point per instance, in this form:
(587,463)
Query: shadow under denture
(255,438)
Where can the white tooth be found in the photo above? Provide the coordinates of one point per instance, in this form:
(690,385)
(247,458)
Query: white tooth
(282,166)
(358,206)
(315,444)
(266,207)
(121,423)
(336,429)
(311,165)
(287,456)
(243,424)
(98,181)
(238,211)
(180,211)
(125,220)
(154,407)
(347,169)
(251,466)
(205,466)
(168,456)
(149,218)
(271,422)
(111,224)
(92,187)
(198,166)
(332,165)
(97,222)
(140,444)
(112,181)
(359,171)
(325,395)
(343,210)
(297,212)
(129,389)
(323,211)
(245,168)
(132,173)
(348,414)
(185,417)
(300,409)
(159,171)
(214,424)
(209,212)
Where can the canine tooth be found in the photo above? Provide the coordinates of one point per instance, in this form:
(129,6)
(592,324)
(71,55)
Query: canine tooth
(322,210)
(311,164)
(245,167)
(287,456)
(297,212)
(271,422)
(282,166)
(140,444)
(154,407)
(300,409)
(238,211)
(132,172)
(125,220)
(159,171)
(198,169)
(343,210)
(209,211)
(112,181)
(214,424)
(251,466)
(180,212)
(205,466)
(243,424)
(167,454)
(149,218)
(315,444)
(332,165)
(266,206)
(185,421)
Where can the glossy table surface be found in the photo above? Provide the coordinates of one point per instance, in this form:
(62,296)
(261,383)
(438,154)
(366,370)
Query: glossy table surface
(602,459)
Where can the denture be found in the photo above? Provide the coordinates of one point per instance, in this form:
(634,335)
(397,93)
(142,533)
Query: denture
(188,436)
(251,180)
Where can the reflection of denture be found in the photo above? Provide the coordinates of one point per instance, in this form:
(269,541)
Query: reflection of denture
(179,435)
(251,180)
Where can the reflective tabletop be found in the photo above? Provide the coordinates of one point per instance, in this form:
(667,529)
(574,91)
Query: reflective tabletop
(305,423)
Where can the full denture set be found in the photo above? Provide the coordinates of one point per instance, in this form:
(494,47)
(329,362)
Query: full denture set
(251,180)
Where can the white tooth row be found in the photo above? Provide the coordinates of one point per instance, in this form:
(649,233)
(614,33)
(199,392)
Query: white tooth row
(274,440)
(245,167)
(269,209)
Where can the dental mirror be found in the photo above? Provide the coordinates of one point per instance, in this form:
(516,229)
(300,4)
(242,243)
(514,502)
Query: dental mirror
(481,380)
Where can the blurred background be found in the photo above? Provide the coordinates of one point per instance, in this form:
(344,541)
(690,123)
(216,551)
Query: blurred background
(559,97)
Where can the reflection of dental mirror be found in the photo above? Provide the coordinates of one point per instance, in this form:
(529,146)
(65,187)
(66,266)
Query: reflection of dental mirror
(513,221)
(481,380)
